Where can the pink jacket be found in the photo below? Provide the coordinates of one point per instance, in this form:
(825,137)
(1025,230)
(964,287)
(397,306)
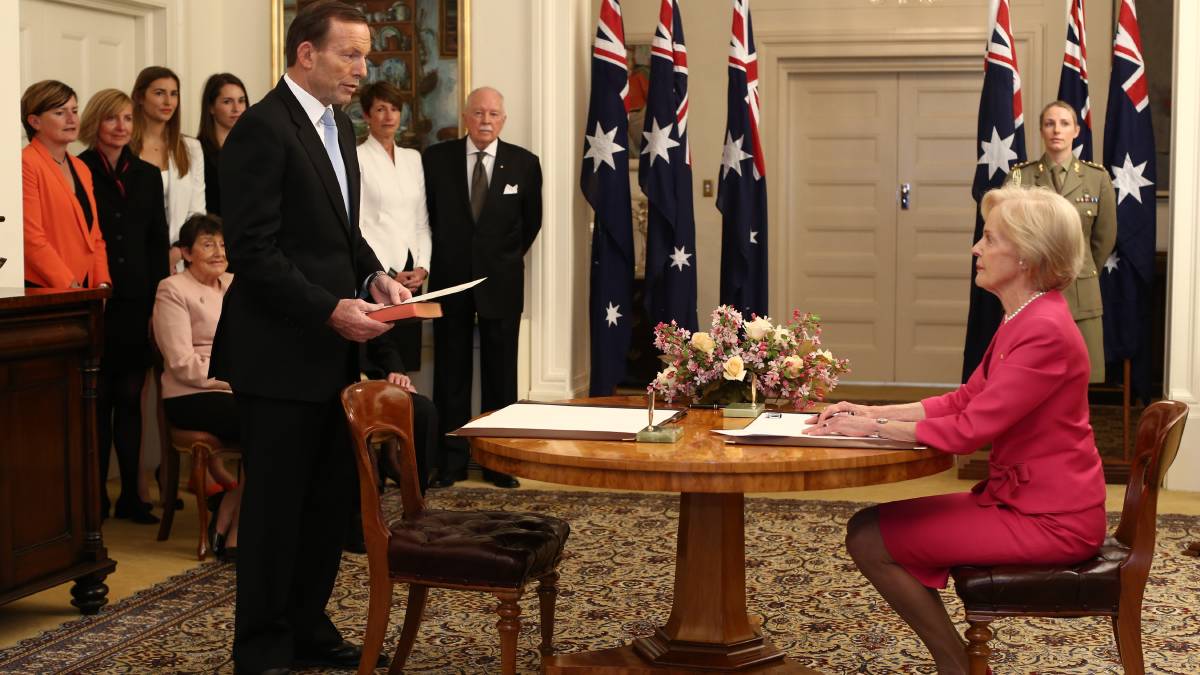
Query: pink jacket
(1028,398)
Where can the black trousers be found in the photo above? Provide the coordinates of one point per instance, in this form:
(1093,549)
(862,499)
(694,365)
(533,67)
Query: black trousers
(294,518)
(453,370)
(119,423)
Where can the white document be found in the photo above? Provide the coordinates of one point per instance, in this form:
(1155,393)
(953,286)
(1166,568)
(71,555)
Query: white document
(581,418)
(444,292)
(781,424)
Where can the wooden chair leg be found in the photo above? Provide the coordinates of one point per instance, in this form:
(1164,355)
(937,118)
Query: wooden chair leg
(417,594)
(168,478)
(547,594)
(510,626)
(377,622)
(978,651)
(1128,628)
(199,466)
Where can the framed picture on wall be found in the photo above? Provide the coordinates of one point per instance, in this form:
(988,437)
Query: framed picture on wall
(421,46)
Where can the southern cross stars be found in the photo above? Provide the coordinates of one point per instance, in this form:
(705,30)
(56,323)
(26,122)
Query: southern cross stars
(732,155)
(611,314)
(680,258)
(658,141)
(1129,181)
(753,236)
(601,148)
(997,153)
(1112,263)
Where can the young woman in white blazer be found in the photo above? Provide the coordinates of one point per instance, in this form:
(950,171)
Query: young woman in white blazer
(157,139)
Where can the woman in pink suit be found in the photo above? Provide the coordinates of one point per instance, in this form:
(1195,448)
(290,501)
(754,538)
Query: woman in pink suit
(1043,499)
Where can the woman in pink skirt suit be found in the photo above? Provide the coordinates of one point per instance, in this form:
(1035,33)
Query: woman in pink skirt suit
(1043,499)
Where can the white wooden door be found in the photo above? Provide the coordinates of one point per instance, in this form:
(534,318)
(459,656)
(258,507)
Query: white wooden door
(89,49)
(889,281)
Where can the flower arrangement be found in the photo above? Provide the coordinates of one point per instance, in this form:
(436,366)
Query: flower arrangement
(784,360)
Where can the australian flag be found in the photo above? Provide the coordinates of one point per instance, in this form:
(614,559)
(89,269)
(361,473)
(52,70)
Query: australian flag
(1001,138)
(604,180)
(1073,81)
(742,191)
(1129,154)
(665,174)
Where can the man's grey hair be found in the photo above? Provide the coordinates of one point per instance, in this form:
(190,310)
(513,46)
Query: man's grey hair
(479,90)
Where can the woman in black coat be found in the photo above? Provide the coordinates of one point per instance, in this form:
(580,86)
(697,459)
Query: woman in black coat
(222,103)
(129,201)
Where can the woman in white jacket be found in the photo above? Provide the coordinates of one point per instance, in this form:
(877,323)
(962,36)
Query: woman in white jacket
(157,139)
(393,218)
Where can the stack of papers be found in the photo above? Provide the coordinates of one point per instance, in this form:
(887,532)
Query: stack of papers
(781,428)
(565,421)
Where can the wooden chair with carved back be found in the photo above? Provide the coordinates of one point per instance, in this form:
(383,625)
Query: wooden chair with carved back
(1110,584)
(490,551)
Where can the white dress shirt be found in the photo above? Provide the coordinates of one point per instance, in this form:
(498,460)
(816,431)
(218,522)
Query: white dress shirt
(393,216)
(313,108)
(489,160)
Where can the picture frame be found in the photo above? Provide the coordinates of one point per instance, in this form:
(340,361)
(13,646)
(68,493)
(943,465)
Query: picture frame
(409,49)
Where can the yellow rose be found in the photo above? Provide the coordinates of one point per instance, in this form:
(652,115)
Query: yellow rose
(735,369)
(758,328)
(703,342)
(792,366)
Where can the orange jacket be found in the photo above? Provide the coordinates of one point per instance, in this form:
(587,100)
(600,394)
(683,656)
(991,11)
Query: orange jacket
(59,246)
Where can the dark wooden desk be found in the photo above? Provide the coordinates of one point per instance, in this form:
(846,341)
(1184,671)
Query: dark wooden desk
(709,628)
(50,344)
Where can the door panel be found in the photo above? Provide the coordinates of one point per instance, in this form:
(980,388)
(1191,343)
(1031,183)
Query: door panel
(89,49)
(936,131)
(841,253)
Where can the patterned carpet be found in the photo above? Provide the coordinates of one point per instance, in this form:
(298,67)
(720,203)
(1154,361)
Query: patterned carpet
(616,583)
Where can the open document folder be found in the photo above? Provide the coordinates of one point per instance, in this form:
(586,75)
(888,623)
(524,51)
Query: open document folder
(565,421)
(782,428)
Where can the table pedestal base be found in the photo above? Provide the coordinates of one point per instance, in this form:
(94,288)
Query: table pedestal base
(627,660)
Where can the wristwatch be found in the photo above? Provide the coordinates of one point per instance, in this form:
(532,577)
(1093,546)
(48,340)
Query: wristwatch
(881,420)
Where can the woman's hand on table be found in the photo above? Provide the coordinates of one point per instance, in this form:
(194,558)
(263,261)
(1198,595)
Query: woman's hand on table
(840,409)
(845,423)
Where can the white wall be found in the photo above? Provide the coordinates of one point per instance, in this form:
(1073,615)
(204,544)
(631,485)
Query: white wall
(12,246)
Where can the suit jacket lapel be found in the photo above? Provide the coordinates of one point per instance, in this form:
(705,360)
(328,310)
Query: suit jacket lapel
(499,174)
(349,150)
(51,166)
(315,147)
(460,173)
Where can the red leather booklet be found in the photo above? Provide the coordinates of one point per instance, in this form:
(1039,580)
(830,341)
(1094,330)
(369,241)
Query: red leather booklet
(415,311)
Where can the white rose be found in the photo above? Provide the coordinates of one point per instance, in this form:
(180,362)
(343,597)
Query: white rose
(667,375)
(703,342)
(825,354)
(758,328)
(735,369)
(792,366)
(781,335)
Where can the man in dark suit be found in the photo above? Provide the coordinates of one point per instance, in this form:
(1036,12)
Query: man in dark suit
(286,339)
(485,209)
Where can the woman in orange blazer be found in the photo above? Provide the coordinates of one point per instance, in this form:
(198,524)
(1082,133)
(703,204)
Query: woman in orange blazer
(63,245)
(1043,499)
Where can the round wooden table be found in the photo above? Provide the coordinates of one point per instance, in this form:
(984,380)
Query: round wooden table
(709,628)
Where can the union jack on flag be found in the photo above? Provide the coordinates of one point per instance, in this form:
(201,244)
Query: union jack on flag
(1073,81)
(1001,143)
(665,174)
(1126,277)
(742,190)
(604,180)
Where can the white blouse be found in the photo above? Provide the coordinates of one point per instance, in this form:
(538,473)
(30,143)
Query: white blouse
(393,218)
(184,196)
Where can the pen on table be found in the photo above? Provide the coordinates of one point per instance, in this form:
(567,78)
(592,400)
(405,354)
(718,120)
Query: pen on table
(705,406)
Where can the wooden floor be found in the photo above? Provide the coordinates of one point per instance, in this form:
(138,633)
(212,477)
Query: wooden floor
(143,562)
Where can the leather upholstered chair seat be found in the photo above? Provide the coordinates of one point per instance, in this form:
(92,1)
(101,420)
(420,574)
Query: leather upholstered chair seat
(495,552)
(471,547)
(1094,584)
(1110,584)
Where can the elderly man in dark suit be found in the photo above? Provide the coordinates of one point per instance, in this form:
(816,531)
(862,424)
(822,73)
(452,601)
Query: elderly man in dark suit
(287,334)
(485,209)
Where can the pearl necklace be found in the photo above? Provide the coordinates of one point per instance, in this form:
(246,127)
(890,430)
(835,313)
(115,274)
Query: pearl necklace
(1035,296)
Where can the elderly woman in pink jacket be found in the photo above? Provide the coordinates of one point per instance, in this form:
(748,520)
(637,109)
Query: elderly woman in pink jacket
(1043,499)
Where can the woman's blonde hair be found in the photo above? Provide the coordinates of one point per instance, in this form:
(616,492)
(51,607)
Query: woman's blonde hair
(1058,104)
(103,105)
(176,149)
(1044,228)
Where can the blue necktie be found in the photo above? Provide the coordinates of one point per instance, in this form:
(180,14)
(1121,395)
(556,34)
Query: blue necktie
(335,156)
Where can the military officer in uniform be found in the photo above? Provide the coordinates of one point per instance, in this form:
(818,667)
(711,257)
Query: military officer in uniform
(1086,185)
